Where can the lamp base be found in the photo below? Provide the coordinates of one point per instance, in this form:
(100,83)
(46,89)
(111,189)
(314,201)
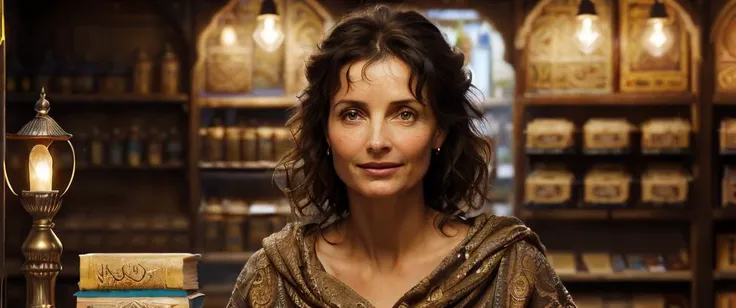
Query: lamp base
(42,248)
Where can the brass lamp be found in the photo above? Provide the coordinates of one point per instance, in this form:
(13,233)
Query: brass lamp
(41,249)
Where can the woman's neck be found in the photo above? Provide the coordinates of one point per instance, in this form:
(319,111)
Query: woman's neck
(386,231)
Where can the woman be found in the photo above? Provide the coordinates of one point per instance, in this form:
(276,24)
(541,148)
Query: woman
(386,168)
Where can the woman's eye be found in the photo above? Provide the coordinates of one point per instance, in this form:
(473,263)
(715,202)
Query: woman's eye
(351,115)
(406,115)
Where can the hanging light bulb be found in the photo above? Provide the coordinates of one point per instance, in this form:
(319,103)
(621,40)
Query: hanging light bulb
(657,37)
(228,36)
(268,34)
(587,33)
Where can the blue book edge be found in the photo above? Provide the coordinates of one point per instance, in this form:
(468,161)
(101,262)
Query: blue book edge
(132,293)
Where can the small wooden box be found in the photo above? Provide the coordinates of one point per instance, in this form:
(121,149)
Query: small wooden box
(664,184)
(727,135)
(726,252)
(549,134)
(728,186)
(607,184)
(549,185)
(648,301)
(665,135)
(606,135)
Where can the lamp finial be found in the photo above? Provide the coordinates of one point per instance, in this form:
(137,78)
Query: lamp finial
(42,105)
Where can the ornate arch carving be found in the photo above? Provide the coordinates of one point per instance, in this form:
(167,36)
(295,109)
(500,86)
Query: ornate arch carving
(723,37)
(576,76)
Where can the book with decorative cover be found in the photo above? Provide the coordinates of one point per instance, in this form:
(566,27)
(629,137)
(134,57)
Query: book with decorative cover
(138,271)
(139,299)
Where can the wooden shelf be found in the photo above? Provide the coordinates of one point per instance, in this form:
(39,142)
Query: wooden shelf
(31,98)
(237,165)
(727,213)
(125,167)
(724,98)
(606,214)
(673,276)
(226,257)
(247,101)
(612,99)
(564,214)
(724,275)
(497,102)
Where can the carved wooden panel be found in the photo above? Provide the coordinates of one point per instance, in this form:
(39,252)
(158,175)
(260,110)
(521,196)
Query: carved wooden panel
(725,50)
(642,72)
(554,62)
(241,67)
(302,38)
(229,67)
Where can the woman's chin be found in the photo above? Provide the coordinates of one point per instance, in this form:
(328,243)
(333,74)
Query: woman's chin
(380,190)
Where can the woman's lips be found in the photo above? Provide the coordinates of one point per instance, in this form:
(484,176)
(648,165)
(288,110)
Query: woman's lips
(380,169)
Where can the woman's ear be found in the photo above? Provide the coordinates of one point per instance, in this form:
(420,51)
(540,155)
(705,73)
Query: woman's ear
(439,138)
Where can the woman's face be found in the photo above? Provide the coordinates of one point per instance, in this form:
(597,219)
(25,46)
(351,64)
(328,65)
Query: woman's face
(381,138)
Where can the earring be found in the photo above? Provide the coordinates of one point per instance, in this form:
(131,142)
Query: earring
(438,151)
(328,151)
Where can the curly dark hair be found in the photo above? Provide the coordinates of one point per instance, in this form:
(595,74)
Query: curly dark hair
(458,177)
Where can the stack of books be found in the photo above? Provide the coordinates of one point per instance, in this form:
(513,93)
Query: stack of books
(139,280)
(571,263)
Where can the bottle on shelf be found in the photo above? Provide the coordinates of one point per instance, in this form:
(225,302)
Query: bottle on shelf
(117,147)
(215,139)
(114,81)
(169,72)
(232,145)
(250,144)
(174,147)
(155,148)
(65,78)
(82,143)
(142,74)
(135,148)
(85,79)
(265,144)
(97,148)
(213,224)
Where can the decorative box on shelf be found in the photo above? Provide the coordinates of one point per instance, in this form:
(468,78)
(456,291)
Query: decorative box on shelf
(728,186)
(607,185)
(606,136)
(726,252)
(548,186)
(727,136)
(665,135)
(665,185)
(550,135)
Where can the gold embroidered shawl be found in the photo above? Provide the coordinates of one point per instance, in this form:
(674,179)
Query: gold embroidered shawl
(500,263)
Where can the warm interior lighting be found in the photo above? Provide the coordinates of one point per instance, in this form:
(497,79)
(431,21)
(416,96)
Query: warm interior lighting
(40,168)
(657,37)
(268,34)
(228,37)
(587,33)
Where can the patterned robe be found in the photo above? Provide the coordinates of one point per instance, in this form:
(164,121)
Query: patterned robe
(500,263)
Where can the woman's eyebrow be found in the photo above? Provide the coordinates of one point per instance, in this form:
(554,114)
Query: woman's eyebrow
(362,104)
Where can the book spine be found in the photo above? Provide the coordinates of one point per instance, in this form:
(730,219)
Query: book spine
(116,273)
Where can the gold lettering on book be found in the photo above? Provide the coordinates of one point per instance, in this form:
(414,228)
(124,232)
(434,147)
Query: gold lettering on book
(134,272)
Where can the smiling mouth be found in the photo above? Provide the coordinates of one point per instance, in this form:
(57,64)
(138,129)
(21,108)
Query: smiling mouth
(379,166)
(380,170)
